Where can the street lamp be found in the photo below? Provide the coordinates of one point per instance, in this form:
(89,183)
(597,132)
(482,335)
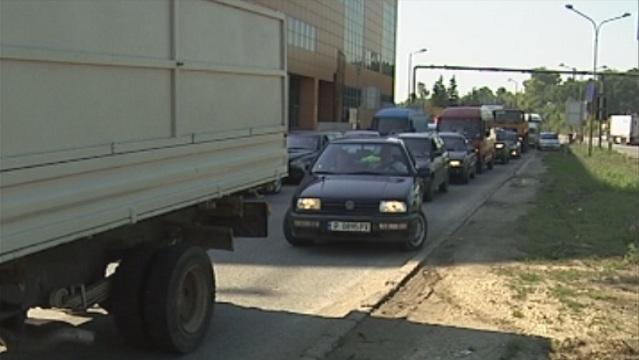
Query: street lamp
(574,70)
(596,27)
(410,67)
(516,90)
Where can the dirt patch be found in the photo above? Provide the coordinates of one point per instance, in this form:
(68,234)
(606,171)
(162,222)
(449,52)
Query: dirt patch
(479,298)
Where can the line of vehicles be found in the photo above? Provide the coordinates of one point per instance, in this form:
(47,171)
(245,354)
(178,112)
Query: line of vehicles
(369,185)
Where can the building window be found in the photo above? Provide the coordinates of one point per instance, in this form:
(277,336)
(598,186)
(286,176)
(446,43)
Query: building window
(388,39)
(372,60)
(301,34)
(354,31)
(352,97)
(387,100)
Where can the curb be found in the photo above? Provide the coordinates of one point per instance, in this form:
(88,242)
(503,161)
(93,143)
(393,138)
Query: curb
(333,335)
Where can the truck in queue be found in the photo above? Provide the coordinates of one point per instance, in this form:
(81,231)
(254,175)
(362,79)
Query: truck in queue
(513,119)
(474,124)
(624,129)
(130,133)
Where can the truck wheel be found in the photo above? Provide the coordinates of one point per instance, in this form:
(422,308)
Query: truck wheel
(288,234)
(179,298)
(127,296)
(418,233)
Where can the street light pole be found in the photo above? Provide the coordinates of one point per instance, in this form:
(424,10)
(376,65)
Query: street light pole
(597,28)
(410,68)
(516,90)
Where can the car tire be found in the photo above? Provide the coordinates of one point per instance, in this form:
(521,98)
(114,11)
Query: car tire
(443,187)
(465,178)
(292,239)
(274,188)
(429,192)
(417,242)
(179,298)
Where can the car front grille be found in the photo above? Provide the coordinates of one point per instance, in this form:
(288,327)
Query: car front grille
(360,207)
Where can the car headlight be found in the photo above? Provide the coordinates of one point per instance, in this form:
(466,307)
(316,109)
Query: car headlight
(520,138)
(499,146)
(455,163)
(309,204)
(392,207)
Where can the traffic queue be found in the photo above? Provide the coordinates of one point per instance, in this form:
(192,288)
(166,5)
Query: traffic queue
(370,185)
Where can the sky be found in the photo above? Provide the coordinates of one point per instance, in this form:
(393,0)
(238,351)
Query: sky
(513,33)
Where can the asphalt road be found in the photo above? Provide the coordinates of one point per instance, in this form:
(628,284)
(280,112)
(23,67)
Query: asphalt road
(274,300)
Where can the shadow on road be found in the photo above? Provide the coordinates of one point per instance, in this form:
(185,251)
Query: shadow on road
(280,340)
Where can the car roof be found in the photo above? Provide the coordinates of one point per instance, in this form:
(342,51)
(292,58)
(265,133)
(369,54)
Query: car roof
(371,140)
(451,134)
(395,112)
(419,135)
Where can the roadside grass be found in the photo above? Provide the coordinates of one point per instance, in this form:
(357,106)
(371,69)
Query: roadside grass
(587,209)
(580,246)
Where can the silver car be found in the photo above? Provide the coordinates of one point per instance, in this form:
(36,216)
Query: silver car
(549,141)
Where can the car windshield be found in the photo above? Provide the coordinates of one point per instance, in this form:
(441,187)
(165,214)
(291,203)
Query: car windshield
(454,143)
(302,142)
(390,125)
(468,127)
(363,159)
(419,147)
(506,135)
(509,116)
(547,136)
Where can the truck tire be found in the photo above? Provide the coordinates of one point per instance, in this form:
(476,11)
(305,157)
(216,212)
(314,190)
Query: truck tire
(292,239)
(418,238)
(126,302)
(179,298)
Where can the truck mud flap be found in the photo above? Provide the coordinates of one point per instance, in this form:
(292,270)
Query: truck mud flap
(252,222)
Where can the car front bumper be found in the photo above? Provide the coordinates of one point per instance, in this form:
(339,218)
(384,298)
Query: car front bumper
(456,171)
(383,228)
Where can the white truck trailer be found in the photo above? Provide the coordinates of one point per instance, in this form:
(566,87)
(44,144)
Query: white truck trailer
(624,129)
(128,131)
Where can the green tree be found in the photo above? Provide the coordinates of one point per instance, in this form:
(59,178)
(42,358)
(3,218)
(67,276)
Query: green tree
(453,94)
(439,97)
(477,97)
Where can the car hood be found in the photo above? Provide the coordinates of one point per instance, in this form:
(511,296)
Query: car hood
(298,154)
(457,155)
(422,162)
(355,187)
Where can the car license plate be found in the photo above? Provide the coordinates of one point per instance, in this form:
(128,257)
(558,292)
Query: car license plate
(349,226)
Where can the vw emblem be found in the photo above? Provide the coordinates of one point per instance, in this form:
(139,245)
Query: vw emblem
(350,205)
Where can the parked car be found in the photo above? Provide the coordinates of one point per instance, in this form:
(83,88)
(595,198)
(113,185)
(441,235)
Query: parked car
(359,189)
(430,154)
(474,124)
(358,134)
(303,148)
(399,120)
(549,141)
(462,156)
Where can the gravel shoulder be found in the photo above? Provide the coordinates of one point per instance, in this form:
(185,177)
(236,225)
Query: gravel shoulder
(479,297)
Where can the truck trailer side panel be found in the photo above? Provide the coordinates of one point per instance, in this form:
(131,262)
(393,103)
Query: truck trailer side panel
(118,111)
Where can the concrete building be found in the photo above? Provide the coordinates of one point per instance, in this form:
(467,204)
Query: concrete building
(341,59)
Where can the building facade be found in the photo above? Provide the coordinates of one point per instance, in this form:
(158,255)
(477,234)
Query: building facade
(341,60)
